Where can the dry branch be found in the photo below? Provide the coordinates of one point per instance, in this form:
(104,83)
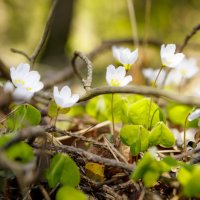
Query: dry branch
(143,90)
(43,39)
(189,36)
(88,81)
(90,156)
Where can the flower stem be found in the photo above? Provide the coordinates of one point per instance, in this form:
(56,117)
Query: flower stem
(57,112)
(184,138)
(151,101)
(155,81)
(113,122)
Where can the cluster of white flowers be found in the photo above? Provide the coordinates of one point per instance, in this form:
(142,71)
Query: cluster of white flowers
(182,68)
(24,82)
(117,76)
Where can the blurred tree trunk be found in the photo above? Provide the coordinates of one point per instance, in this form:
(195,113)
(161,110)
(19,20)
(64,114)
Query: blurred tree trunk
(54,49)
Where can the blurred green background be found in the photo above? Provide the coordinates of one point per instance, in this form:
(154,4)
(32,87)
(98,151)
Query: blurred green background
(22,23)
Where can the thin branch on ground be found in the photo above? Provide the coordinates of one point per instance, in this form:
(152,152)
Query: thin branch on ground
(89,156)
(88,81)
(27,133)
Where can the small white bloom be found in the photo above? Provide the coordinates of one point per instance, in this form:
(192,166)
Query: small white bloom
(117,76)
(125,56)
(194,115)
(8,87)
(26,82)
(169,57)
(23,77)
(64,98)
(151,74)
(187,68)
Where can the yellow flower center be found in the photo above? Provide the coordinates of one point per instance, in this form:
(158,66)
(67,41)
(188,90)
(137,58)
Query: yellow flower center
(115,82)
(127,66)
(19,81)
(29,89)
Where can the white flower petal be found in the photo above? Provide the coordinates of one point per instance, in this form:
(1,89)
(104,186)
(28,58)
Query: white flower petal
(169,57)
(65,92)
(23,68)
(37,86)
(120,72)
(22,94)
(124,55)
(109,73)
(133,57)
(126,80)
(115,52)
(8,87)
(75,98)
(177,58)
(64,98)
(170,48)
(194,115)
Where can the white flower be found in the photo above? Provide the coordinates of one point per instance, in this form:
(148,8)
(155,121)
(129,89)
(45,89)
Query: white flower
(8,87)
(64,98)
(125,56)
(116,76)
(169,57)
(194,115)
(26,82)
(187,68)
(151,75)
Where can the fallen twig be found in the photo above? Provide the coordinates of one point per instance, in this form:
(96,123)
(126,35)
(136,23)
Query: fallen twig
(89,156)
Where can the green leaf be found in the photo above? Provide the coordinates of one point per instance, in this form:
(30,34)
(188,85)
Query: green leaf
(184,175)
(62,170)
(23,116)
(147,169)
(70,173)
(69,193)
(52,109)
(20,151)
(139,113)
(100,107)
(177,114)
(161,135)
(168,163)
(33,116)
(15,120)
(97,108)
(75,111)
(189,179)
(54,172)
(135,136)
